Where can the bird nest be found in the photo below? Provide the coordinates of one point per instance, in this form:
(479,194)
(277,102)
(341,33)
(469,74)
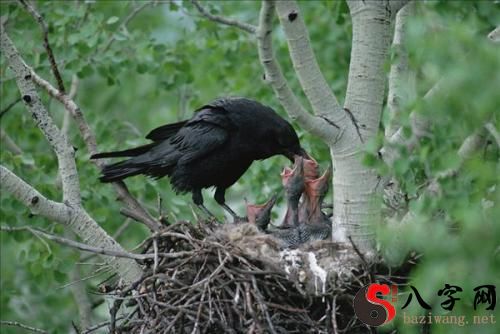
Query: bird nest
(250,277)
(212,278)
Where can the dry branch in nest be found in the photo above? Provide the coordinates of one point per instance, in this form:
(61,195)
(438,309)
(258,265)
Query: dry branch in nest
(247,277)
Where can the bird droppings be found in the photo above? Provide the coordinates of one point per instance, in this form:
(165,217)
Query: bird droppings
(248,274)
(243,276)
(290,259)
(319,273)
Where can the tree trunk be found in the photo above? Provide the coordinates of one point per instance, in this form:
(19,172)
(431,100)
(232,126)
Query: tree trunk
(356,206)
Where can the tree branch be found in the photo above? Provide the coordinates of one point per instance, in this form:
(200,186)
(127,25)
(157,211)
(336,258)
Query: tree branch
(88,137)
(20,325)
(78,289)
(9,143)
(469,146)
(74,217)
(30,197)
(314,85)
(397,5)
(59,143)
(71,212)
(75,244)
(81,297)
(494,36)
(419,126)
(399,68)
(6,109)
(46,44)
(494,132)
(274,76)
(224,20)
(72,93)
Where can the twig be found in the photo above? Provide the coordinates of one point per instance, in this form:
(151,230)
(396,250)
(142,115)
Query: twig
(224,20)
(99,325)
(46,44)
(361,256)
(67,114)
(20,325)
(125,22)
(92,249)
(469,146)
(9,143)
(334,316)
(75,244)
(6,109)
(263,306)
(103,269)
(155,250)
(123,227)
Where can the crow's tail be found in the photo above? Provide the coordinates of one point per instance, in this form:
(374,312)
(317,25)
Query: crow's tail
(120,170)
(133,152)
(155,160)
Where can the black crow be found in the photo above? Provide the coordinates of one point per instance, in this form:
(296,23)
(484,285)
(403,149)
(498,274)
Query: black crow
(212,149)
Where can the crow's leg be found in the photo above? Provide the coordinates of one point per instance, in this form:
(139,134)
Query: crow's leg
(198,200)
(220,198)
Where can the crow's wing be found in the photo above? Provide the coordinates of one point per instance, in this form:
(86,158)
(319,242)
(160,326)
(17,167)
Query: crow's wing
(165,131)
(207,131)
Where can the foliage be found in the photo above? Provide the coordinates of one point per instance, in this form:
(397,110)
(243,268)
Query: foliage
(457,231)
(167,61)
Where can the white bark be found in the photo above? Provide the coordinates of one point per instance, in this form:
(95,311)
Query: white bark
(274,76)
(399,73)
(345,130)
(356,206)
(314,85)
(59,143)
(494,36)
(141,214)
(70,212)
(76,218)
(494,132)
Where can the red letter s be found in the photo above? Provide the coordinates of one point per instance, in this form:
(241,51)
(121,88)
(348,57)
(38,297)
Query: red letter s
(384,289)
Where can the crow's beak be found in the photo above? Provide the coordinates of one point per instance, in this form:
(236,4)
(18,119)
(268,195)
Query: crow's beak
(291,155)
(304,154)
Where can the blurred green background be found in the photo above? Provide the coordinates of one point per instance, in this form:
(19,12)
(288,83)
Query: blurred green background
(167,61)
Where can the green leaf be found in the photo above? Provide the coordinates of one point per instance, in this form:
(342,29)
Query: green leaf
(86,71)
(112,19)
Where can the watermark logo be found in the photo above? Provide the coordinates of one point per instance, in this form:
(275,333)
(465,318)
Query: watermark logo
(375,304)
(371,309)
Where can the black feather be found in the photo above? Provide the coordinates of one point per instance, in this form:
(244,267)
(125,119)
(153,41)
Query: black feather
(165,131)
(212,149)
(126,153)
